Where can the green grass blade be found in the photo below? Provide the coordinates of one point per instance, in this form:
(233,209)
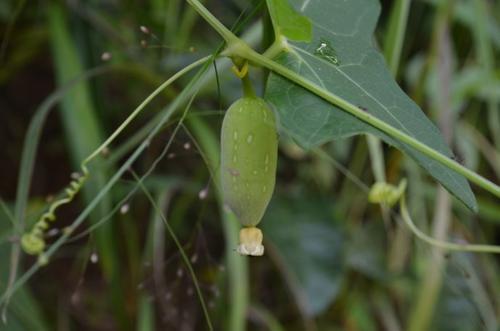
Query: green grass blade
(166,115)
(80,124)
(237,265)
(83,134)
(393,43)
(146,318)
(486,56)
(28,157)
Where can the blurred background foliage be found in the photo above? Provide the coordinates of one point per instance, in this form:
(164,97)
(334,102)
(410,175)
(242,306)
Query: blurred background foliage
(333,262)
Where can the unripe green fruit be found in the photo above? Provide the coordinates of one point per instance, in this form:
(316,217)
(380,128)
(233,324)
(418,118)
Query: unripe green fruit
(249,151)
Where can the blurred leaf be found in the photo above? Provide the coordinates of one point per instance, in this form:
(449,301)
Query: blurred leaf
(25,47)
(310,245)
(5,10)
(359,313)
(366,251)
(456,310)
(467,148)
(83,134)
(464,13)
(474,81)
(288,22)
(266,318)
(23,312)
(490,211)
(79,120)
(341,59)
(394,34)
(470,82)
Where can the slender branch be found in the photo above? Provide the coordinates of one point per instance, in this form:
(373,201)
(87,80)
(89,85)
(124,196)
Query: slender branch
(179,247)
(143,104)
(33,242)
(372,120)
(443,244)
(125,166)
(236,47)
(225,33)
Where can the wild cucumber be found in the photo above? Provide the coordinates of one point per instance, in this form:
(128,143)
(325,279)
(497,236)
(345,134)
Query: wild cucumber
(249,149)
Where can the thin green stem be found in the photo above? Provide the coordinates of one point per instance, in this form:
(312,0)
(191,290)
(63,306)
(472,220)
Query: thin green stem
(104,190)
(248,90)
(185,258)
(9,215)
(372,120)
(377,157)
(393,45)
(225,33)
(10,27)
(443,244)
(208,146)
(33,241)
(239,48)
(143,104)
(395,34)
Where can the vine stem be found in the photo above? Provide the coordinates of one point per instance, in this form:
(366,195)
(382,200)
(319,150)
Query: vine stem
(372,120)
(248,90)
(179,247)
(125,166)
(33,241)
(237,47)
(443,244)
(143,104)
(225,33)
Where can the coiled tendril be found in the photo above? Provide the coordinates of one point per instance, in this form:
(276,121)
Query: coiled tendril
(385,193)
(33,242)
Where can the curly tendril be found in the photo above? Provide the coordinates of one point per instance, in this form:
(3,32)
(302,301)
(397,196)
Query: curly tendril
(389,194)
(33,242)
(385,193)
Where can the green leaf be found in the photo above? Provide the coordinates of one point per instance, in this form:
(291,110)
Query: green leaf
(289,23)
(310,246)
(462,304)
(365,253)
(341,59)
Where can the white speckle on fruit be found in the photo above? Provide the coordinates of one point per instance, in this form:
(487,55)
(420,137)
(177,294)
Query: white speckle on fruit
(250,138)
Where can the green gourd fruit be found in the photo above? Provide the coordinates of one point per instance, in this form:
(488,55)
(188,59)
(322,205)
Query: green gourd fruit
(249,151)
